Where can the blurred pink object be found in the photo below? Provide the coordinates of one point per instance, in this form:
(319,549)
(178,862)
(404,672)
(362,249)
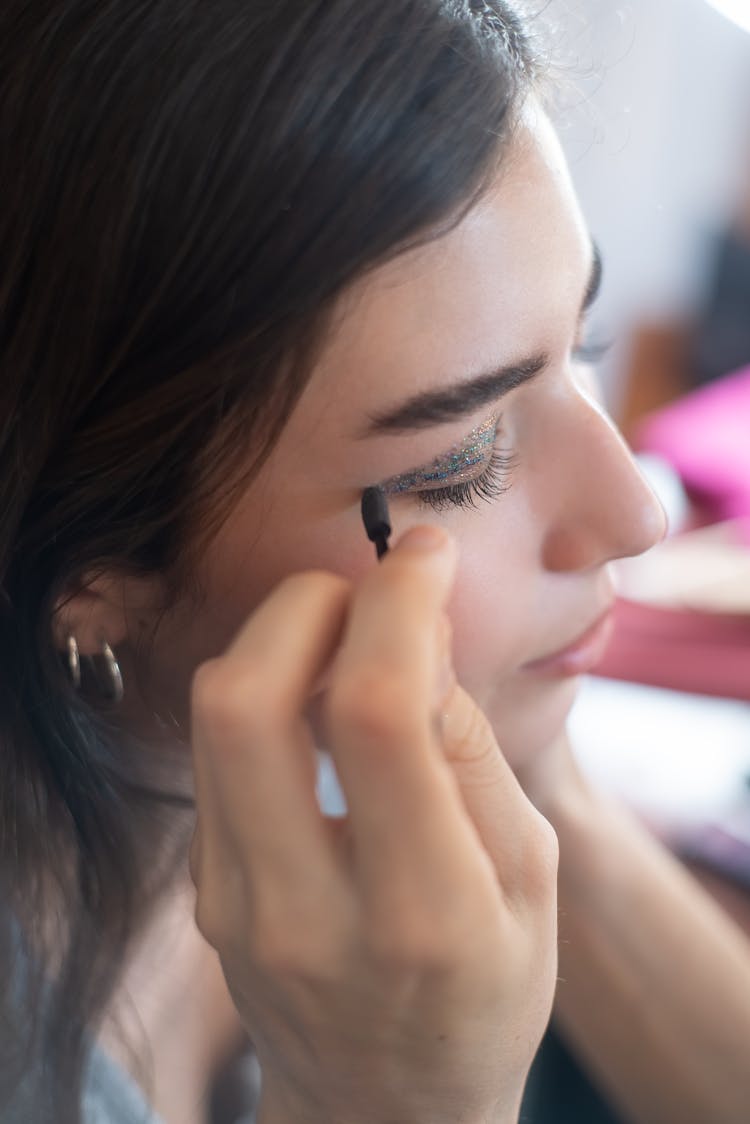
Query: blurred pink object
(684,650)
(706,437)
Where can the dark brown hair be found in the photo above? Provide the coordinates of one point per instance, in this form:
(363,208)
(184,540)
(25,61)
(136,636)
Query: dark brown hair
(187,187)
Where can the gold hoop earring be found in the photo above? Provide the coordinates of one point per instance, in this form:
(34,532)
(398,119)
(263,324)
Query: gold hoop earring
(74,662)
(114,686)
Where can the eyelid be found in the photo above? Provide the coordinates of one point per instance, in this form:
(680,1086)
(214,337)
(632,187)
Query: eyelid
(457,465)
(493,482)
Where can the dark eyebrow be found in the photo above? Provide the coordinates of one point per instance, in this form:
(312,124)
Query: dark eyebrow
(436,407)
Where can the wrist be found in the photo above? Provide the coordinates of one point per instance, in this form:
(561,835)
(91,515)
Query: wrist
(270,1115)
(278,1110)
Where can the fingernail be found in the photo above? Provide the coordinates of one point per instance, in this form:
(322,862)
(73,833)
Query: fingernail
(425,539)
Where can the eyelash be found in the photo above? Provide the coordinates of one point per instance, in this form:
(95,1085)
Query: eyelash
(493,482)
(591,352)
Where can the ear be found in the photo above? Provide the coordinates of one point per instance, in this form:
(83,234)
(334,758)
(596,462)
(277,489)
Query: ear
(107,608)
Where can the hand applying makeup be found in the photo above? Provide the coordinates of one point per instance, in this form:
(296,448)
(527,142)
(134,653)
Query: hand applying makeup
(399,963)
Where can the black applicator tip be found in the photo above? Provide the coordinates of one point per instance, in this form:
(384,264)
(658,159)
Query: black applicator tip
(376,518)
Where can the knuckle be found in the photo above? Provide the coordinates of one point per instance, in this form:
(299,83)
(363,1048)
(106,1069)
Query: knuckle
(230,699)
(206,684)
(204,922)
(210,919)
(373,704)
(214,897)
(547,850)
(221,890)
(540,854)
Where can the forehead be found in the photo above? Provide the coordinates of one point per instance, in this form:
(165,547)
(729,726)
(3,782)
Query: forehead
(500,286)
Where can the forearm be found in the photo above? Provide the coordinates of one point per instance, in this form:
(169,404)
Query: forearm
(654,990)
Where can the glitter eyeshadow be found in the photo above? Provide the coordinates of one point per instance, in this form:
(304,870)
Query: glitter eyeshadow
(456,466)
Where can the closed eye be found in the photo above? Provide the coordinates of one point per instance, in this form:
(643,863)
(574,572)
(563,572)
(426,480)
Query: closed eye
(492,483)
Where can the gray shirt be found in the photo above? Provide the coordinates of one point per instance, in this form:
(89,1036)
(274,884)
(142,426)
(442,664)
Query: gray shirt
(110,1097)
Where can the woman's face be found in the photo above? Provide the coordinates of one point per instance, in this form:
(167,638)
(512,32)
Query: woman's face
(455,366)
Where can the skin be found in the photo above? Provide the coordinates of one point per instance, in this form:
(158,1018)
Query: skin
(532,574)
(362,953)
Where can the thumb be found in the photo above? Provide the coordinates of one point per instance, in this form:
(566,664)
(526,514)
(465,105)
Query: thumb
(509,826)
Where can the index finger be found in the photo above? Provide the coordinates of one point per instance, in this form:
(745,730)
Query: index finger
(253,759)
(405,810)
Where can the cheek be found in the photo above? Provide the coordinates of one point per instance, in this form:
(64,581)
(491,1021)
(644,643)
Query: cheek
(492,607)
(498,617)
(489,630)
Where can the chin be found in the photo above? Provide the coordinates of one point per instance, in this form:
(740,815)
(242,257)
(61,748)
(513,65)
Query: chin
(529,716)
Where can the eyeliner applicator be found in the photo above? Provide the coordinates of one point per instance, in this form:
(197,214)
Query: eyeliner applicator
(376,519)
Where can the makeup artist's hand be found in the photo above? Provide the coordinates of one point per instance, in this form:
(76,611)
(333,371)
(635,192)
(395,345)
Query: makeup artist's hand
(398,964)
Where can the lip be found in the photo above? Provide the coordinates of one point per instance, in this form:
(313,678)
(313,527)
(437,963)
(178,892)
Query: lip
(580,656)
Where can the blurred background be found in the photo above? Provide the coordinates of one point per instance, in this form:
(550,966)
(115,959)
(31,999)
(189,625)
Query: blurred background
(652,104)
(653,108)
(654,113)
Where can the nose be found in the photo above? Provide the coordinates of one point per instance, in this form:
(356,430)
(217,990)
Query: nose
(601,506)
